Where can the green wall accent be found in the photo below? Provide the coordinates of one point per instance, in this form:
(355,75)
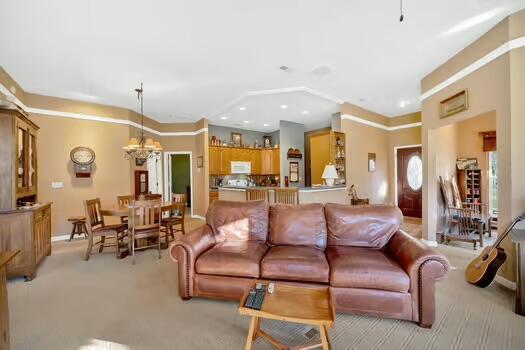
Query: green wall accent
(180,173)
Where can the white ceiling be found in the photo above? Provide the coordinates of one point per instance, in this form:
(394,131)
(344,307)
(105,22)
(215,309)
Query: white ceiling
(207,58)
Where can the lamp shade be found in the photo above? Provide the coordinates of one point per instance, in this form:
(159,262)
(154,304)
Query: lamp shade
(330,174)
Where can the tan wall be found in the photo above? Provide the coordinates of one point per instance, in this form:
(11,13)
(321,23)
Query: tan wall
(56,138)
(360,140)
(496,87)
(319,156)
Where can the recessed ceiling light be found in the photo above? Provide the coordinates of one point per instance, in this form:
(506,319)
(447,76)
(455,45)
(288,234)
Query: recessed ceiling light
(284,106)
(242,108)
(306,112)
(265,124)
(246,121)
(361,100)
(403,104)
(285,68)
(224,118)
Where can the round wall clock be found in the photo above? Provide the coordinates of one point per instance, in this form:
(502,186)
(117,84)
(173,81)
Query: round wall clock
(82,158)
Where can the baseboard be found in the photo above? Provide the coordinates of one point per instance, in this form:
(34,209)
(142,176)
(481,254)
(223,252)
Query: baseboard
(430,243)
(199,217)
(505,282)
(59,238)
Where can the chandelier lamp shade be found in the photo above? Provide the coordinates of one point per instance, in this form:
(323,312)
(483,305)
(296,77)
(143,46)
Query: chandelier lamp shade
(140,147)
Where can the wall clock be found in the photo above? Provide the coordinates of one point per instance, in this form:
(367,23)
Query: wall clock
(83,159)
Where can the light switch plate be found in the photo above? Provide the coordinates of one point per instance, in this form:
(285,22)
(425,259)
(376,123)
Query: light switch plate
(57,185)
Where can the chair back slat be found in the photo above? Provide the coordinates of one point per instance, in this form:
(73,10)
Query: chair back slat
(93,214)
(145,214)
(288,196)
(182,200)
(257,194)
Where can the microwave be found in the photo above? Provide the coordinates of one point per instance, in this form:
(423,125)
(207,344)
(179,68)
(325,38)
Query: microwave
(241,167)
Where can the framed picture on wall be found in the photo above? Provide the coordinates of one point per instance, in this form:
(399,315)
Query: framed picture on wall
(371,162)
(140,162)
(454,104)
(200,162)
(294,172)
(237,139)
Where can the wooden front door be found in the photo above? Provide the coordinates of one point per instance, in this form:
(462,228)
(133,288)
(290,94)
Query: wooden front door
(409,181)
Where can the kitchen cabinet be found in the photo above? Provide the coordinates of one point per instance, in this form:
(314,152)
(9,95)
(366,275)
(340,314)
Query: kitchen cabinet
(263,161)
(214,155)
(276,161)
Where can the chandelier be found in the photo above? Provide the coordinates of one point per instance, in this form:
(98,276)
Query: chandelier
(140,147)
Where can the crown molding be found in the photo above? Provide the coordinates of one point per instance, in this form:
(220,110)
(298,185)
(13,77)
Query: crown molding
(483,61)
(103,119)
(378,125)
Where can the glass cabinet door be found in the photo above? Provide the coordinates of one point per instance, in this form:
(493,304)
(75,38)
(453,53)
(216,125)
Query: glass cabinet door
(21,159)
(31,171)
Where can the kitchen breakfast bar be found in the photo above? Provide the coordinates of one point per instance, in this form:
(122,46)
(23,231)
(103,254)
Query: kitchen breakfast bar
(324,194)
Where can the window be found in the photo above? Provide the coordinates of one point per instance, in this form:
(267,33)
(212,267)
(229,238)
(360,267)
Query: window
(415,172)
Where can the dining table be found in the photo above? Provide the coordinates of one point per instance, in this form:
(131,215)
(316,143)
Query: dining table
(125,210)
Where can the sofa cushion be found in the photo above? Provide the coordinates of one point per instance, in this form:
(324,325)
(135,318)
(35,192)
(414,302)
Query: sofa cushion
(232,258)
(294,263)
(239,221)
(353,267)
(369,226)
(303,225)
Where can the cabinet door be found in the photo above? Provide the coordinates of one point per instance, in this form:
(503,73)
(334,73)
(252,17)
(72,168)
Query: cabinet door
(226,158)
(256,162)
(42,233)
(266,162)
(21,157)
(276,162)
(215,160)
(31,161)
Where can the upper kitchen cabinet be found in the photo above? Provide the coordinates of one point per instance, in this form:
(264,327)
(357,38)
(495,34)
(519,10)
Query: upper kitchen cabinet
(215,160)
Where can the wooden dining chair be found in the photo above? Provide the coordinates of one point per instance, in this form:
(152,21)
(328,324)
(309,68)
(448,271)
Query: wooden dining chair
(97,228)
(123,201)
(257,194)
(288,196)
(144,223)
(176,216)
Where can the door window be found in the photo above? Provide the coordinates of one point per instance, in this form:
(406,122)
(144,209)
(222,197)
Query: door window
(415,172)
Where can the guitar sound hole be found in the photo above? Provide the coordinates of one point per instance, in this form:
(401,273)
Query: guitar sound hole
(485,257)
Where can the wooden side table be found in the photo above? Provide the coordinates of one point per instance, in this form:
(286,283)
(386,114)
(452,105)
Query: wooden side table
(79,226)
(518,237)
(5,257)
(312,306)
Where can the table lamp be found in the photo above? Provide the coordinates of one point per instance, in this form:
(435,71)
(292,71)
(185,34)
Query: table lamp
(329,174)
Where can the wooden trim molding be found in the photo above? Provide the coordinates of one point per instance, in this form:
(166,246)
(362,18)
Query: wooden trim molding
(52,113)
(483,61)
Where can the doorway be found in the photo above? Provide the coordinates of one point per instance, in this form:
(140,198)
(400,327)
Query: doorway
(409,181)
(178,173)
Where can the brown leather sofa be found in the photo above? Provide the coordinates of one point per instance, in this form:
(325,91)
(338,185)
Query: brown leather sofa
(371,266)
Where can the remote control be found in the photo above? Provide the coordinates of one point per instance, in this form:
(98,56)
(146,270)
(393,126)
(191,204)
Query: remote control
(271,288)
(259,298)
(250,299)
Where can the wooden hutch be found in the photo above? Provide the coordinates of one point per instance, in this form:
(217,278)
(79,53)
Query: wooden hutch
(25,224)
(469,183)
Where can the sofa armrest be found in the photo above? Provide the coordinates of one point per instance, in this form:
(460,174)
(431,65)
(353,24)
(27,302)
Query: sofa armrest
(185,251)
(424,266)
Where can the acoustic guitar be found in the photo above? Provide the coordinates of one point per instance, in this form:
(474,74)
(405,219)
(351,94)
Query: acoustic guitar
(482,270)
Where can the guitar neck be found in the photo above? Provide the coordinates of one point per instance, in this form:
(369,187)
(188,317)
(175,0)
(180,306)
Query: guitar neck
(511,226)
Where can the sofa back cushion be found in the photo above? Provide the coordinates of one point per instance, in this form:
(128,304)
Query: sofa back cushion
(361,226)
(238,221)
(303,225)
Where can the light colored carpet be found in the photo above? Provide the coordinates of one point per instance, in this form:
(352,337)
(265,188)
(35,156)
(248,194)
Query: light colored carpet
(109,304)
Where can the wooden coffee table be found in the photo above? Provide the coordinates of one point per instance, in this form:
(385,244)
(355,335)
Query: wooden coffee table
(312,306)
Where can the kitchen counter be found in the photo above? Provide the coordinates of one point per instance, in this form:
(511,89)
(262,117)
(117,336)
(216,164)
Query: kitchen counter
(323,194)
(24,209)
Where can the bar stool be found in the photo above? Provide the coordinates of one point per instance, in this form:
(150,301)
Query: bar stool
(79,226)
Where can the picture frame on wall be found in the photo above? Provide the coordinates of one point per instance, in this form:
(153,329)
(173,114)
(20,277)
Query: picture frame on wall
(200,162)
(236,139)
(371,162)
(267,141)
(454,104)
(140,162)
(294,171)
